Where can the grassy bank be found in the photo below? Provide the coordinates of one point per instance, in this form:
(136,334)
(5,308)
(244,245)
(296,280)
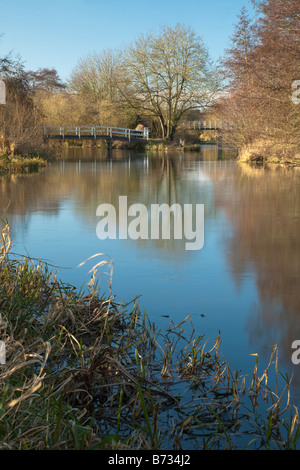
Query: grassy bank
(20,164)
(268,151)
(27,161)
(86,372)
(165,146)
(29,157)
(153,145)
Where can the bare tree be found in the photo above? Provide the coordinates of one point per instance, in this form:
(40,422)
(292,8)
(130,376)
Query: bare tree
(94,77)
(167,75)
(94,82)
(19,117)
(261,65)
(45,79)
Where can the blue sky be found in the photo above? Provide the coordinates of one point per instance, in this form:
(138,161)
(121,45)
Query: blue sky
(57,33)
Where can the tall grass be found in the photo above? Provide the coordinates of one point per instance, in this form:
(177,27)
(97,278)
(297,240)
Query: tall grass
(20,164)
(86,372)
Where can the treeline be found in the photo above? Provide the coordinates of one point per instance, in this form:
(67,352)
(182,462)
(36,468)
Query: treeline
(164,78)
(261,70)
(156,81)
(22,114)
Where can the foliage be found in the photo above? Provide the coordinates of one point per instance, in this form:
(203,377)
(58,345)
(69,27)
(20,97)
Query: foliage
(260,68)
(45,79)
(167,75)
(19,116)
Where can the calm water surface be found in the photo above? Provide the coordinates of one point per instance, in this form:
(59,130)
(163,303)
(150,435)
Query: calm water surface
(244,282)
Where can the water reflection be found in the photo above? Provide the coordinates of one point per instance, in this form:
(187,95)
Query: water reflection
(245,279)
(91,180)
(263,207)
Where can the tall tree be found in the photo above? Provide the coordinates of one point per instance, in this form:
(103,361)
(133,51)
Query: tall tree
(168,74)
(237,60)
(94,82)
(94,77)
(45,79)
(262,64)
(19,116)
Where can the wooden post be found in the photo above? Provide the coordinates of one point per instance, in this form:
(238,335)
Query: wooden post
(146,133)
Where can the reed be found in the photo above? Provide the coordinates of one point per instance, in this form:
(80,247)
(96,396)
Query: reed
(86,372)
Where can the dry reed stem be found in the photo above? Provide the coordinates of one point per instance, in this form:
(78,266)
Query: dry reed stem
(78,365)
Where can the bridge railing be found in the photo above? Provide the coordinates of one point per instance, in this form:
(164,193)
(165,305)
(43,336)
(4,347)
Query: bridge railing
(79,132)
(213,125)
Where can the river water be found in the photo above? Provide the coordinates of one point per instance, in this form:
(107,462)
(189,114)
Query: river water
(244,282)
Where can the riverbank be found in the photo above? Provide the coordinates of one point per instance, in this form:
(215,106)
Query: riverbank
(258,153)
(20,164)
(23,158)
(26,163)
(152,145)
(160,145)
(83,371)
(270,152)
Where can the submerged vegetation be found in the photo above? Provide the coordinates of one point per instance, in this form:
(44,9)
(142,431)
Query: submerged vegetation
(83,371)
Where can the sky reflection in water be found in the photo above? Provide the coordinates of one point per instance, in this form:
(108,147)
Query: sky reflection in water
(245,280)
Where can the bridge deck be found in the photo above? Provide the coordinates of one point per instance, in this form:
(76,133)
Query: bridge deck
(208,125)
(119,133)
(94,132)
